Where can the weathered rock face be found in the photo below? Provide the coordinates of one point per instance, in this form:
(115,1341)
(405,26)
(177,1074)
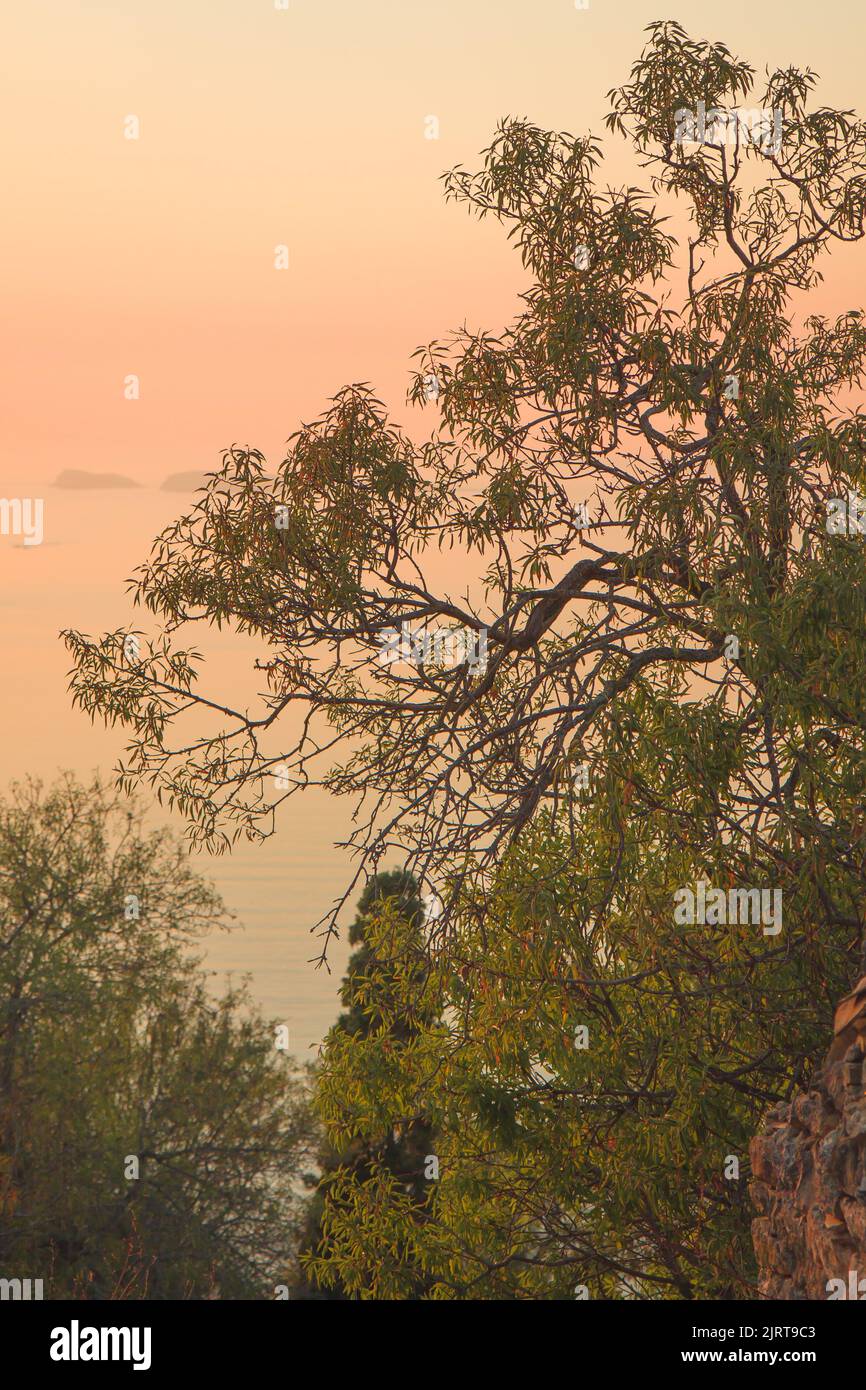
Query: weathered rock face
(809,1188)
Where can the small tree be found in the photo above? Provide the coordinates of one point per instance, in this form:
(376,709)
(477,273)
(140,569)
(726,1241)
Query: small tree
(152,1135)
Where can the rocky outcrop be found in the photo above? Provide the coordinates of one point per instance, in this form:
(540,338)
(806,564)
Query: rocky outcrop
(79,480)
(186,482)
(809,1186)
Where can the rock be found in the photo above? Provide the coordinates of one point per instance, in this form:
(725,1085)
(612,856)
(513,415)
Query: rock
(808,1166)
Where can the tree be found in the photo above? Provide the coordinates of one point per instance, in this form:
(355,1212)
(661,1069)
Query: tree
(379,1012)
(653,476)
(152,1133)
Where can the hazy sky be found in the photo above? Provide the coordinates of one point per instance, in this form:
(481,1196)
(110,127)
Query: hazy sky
(303,127)
(261,127)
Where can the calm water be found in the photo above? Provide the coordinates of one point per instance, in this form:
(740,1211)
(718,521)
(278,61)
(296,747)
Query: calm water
(276,890)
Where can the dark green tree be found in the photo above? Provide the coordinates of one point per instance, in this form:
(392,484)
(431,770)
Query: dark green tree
(372,992)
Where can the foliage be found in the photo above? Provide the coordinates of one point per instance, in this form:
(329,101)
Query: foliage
(383,993)
(112,1047)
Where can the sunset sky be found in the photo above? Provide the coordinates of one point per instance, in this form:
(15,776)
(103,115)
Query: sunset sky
(262,127)
(302,127)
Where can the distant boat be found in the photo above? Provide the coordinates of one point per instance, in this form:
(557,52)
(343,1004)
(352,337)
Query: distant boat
(78,480)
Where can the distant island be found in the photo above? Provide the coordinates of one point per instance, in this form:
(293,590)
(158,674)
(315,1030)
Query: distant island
(184,482)
(78,479)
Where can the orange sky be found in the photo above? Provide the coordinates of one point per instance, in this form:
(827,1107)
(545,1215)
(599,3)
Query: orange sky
(154,256)
(302,127)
